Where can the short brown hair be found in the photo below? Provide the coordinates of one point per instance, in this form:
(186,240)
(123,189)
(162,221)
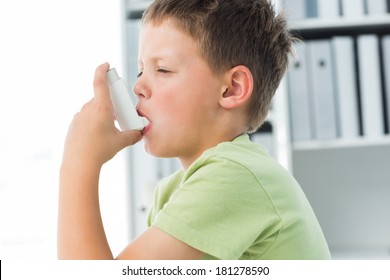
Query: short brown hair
(231,33)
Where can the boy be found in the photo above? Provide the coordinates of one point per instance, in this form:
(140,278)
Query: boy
(208,70)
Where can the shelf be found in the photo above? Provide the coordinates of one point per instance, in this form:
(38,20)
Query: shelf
(316,27)
(341,144)
(361,254)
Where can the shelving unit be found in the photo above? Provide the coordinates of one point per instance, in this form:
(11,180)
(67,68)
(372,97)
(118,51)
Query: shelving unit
(347,181)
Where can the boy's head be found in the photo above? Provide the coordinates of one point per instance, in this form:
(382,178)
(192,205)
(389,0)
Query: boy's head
(231,33)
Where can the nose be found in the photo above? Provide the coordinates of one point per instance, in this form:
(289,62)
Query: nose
(140,89)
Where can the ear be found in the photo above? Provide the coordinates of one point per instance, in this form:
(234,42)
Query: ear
(239,87)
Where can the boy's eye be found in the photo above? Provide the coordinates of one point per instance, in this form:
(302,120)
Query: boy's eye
(162,70)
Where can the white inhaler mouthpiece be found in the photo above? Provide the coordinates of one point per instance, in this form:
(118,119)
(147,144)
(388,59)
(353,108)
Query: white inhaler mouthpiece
(124,109)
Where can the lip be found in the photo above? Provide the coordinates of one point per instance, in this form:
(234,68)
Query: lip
(141,114)
(146,129)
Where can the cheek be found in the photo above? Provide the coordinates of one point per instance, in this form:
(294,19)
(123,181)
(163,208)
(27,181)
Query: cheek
(176,117)
(179,105)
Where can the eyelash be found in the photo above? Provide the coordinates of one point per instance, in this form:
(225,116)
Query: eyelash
(161,70)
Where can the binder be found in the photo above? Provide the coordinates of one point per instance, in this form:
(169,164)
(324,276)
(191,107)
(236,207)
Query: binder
(297,79)
(370,86)
(352,8)
(328,8)
(386,75)
(345,84)
(312,9)
(322,89)
(376,7)
(295,9)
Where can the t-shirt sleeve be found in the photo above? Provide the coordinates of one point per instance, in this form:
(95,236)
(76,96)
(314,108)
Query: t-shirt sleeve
(220,209)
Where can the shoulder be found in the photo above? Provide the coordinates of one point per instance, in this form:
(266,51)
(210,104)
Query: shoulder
(230,173)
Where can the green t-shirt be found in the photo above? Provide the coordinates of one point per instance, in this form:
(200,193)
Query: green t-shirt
(236,202)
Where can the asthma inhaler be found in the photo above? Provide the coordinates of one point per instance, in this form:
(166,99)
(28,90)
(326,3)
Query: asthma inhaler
(124,109)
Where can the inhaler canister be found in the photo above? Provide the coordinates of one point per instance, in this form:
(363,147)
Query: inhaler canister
(124,109)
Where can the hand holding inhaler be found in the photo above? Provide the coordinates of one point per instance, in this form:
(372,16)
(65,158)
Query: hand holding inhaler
(95,122)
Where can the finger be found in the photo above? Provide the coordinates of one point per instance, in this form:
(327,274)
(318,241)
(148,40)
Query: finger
(100,86)
(130,137)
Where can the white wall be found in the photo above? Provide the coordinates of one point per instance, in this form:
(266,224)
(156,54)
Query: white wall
(48,54)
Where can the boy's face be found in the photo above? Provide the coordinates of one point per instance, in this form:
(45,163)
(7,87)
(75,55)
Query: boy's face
(177,92)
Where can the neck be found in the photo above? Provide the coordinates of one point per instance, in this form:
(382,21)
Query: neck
(187,160)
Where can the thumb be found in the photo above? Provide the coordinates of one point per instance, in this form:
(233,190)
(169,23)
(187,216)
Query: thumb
(128,138)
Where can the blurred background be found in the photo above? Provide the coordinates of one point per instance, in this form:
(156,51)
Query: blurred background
(49,51)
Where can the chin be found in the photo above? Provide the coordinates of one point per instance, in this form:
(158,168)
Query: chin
(157,151)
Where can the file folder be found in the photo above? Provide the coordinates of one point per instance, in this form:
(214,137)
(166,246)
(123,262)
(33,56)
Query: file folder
(295,9)
(328,8)
(376,7)
(370,86)
(297,78)
(345,83)
(386,75)
(311,9)
(322,89)
(352,8)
